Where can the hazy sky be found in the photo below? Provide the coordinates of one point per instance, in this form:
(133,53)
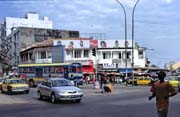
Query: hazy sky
(157,22)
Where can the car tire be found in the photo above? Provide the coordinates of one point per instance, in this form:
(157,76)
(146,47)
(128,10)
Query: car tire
(78,100)
(31,83)
(27,92)
(53,98)
(2,91)
(39,95)
(9,92)
(135,83)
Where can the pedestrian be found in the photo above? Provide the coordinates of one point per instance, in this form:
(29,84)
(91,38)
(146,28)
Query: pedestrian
(50,76)
(105,79)
(162,91)
(86,80)
(126,81)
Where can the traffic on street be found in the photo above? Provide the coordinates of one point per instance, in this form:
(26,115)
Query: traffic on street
(123,101)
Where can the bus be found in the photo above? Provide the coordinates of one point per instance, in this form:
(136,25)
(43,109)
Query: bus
(36,73)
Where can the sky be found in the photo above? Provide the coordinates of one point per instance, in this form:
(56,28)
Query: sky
(157,22)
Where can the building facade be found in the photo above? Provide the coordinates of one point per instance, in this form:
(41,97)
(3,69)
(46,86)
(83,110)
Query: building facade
(42,54)
(24,37)
(110,54)
(108,58)
(31,20)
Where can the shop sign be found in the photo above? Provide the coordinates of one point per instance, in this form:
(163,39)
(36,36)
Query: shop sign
(109,65)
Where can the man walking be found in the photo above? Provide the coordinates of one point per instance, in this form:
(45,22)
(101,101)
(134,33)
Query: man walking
(162,91)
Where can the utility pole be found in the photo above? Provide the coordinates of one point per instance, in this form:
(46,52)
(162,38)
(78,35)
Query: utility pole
(133,40)
(125,34)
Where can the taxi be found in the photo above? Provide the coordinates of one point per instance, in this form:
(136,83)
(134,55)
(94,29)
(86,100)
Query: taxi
(143,81)
(130,81)
(14,85)
(173,81)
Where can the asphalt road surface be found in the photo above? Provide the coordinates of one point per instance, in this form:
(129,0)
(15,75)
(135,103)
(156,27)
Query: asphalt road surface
(123,102)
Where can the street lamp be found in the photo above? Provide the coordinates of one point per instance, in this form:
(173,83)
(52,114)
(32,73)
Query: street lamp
(125,27)
(133,40)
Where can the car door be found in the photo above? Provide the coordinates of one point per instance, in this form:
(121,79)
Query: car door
(42,88)
(146,81)
(140,81)
(47,88)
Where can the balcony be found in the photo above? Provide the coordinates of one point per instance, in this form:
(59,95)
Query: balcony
(44,60)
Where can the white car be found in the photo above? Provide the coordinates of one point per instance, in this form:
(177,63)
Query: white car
(59,89)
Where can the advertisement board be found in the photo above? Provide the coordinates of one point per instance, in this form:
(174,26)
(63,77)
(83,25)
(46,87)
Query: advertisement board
(73,43)
(93,43)
(113,43)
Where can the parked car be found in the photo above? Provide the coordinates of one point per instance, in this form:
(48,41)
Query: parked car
(14,85)
(59,89)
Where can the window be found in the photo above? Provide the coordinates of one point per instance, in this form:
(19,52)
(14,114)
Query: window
(49,54)
(120,56)
(46,69)
(31,70)
(77,53)
(25,70)
(51,70)
(42,55)
(69,53)
(128,54)
(73,69)
(30,56)
(106,55)
(58,69)
(140,54)
(86,53)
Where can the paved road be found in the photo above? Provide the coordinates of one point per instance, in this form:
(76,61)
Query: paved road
(123,102)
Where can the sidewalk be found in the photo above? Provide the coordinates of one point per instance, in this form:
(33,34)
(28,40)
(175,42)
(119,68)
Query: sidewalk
(117,88)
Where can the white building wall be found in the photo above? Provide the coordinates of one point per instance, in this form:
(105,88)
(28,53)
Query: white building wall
(139,62)
(112,57)
(32,20)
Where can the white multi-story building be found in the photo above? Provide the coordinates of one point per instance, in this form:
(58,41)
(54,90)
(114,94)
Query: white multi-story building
(31,20)
(110,54)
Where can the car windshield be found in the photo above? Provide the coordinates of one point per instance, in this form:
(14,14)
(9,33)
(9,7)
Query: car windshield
(58,83)
(16,81)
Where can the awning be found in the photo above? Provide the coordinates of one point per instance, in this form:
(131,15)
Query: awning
(124,70)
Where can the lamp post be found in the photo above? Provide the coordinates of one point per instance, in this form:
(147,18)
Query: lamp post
(133,40)
(125,27)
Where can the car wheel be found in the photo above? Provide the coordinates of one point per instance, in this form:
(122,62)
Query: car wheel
(53,98)
(78,100)
(2,91)
(135,83)
(31,83)
(39,95)
(27,92)
(9,92)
